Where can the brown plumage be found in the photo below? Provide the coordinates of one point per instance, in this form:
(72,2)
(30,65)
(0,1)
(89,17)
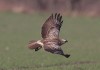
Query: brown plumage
(52,26)
(50,34)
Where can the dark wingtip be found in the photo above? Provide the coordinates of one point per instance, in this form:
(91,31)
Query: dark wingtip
(67,55)
(52,15)
(58,14)
(60,18)
(55,15)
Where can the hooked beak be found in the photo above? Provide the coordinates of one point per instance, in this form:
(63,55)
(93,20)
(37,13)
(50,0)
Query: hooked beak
(66,41)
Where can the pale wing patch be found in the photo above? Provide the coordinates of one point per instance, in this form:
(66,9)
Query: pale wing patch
(53,33)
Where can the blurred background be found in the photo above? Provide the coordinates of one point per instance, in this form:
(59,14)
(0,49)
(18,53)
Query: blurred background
(69,7)
(21,21)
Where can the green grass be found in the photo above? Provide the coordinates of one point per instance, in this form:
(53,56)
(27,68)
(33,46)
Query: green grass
(16,30)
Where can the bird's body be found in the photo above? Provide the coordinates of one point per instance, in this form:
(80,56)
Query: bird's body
(50,34)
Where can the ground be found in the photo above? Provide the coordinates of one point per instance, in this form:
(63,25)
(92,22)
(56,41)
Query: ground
(16,30)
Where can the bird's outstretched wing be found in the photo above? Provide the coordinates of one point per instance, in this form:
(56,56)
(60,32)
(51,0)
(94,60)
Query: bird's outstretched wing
(53,48)
(51,27)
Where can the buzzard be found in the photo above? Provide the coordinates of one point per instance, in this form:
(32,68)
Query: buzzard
(50,34)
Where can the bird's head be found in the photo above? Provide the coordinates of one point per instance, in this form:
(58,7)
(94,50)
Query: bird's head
(63,41)
(35,44)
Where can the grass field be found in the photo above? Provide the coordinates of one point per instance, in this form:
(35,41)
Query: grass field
(16,30)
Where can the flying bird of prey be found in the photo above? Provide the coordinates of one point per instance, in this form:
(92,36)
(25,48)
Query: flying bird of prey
(51,41)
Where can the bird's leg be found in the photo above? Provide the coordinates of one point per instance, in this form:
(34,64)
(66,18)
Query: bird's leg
(38,48)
